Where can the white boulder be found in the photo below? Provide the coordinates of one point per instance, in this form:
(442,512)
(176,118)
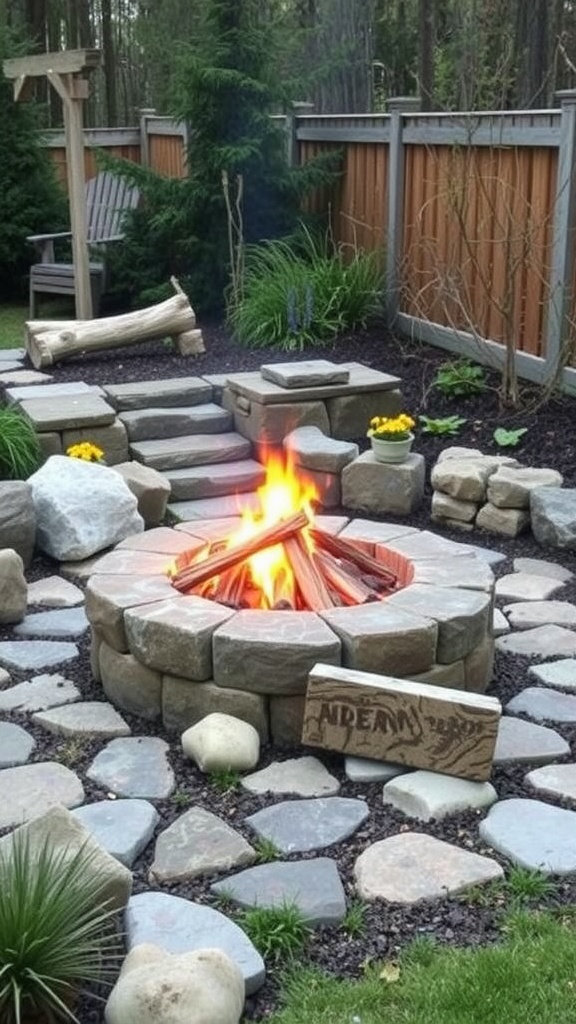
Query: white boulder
(157,987)
(81,508)
(221,742)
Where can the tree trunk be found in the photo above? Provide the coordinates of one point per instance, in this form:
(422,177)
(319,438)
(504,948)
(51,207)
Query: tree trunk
(109,65)
(426,53)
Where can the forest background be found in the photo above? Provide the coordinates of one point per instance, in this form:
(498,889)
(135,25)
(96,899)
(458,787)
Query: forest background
(344,56)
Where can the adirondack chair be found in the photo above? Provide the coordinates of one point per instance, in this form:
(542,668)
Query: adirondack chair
(107,200)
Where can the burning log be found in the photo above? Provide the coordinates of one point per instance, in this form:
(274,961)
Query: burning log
(216,564)
(309,581)
(345,550)
(350,588)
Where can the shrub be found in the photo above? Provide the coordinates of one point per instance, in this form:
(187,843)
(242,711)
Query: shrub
(449,425)
(460,378)
(304,292)
(55,934)
(19,445)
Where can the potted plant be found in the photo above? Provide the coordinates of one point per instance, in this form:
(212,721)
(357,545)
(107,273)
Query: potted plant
(391,437)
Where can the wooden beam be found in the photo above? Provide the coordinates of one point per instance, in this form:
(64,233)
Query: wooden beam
(448,731)
(63,62)
(23,88)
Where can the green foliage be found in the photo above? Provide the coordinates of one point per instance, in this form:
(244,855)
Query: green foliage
(354,920)
(55,934)
(266,850)
(449,425)
(19,446)
(224,779)
(226,87)
(180,798)
(31,202)
(12,320)
(303,292)
(524,884)
(508,438)
(459,378)
(279,933)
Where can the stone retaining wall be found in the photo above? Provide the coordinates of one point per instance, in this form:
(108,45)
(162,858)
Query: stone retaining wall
(168,656)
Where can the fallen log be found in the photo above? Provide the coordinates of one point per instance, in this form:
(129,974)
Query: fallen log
(49,341)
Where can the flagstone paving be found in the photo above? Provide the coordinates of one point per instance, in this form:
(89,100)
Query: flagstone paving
(405,868)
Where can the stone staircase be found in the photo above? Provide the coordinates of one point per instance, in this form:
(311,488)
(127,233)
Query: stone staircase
(175,428)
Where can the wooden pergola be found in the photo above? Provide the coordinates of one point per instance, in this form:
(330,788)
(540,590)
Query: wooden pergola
(66,71)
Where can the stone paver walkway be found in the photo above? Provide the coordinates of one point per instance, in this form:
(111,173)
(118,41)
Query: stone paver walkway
(306,811)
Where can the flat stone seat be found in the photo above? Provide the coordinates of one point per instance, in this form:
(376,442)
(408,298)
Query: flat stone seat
(362,379)
(380,488)
(305,374)
(191,450)
(66,412)
(153,423)
(56,391)
(169,392)
(312,449)
(215,480)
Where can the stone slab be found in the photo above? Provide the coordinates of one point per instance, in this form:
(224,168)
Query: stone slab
(541,642)
(108,596)
(522,586)
(179,926)
(526,743)
(196,844)
(7,368)
(127,683)
(533,834)
(297,826)
(121,827)
(39,693)
(530,614)
(67,412)
(269,424)
(57,623)
(312,449)
(414,868)
(463,616)
(93,718)
(176,636)
(17,377)
(313,886)
(506,521)
(215,480)
(54,592)
(423,544)
(429,795)
(22,655)
(377,637)
(55,391)
(185,703)
(271,651)
(30,790)
(169,392)
(129,562)
(305,374)
(366,533)
(143,424)
(191,450)
(113,440)
(361,379)
(553,516)
(541,567)
(7,354)
(380,488)
(559,674)
(363,769)
(500,624)
(134,767)
(16,745)
(300,776)
(557,780)
(225,507)
(161,540)
(543,704)
(408,723)
(464,571)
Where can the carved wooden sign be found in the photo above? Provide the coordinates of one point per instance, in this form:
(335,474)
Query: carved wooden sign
(416,724)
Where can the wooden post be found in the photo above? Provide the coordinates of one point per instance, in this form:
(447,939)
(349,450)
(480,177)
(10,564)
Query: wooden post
(397,106)
(292,130)
(562,265)
(144,114)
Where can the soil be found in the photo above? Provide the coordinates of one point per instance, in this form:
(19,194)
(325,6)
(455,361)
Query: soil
(550,441)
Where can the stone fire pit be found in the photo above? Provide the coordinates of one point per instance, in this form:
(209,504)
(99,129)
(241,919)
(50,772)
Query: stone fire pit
(173,657)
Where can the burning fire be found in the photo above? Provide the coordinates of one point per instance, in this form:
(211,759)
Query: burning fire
(277,558)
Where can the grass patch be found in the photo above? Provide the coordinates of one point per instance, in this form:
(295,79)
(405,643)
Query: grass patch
(529,978)
(224,779)
(12,326)
(19,445)
(266,850)
(279,933)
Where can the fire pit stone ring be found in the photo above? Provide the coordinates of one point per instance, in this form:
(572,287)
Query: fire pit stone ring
(173,657)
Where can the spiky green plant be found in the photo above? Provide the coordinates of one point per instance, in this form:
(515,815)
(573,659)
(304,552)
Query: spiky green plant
(354,920)
(279,933)
(224,779)
(266,850)
(55,934)
(19,445)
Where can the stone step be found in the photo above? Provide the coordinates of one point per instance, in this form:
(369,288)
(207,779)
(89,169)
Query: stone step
(147,394)
(154,423)
(215,480)
(227,507)
(192,450)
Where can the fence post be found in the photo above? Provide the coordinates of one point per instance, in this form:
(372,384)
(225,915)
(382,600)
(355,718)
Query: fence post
(397,106)
(562,263)
(296,108)
(143,114)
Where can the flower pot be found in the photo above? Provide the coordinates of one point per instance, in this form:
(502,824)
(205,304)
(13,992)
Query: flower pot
(391,451)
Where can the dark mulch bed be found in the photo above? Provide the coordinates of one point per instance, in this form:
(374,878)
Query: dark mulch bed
(549,441)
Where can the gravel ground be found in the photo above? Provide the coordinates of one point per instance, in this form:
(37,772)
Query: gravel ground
(549,441)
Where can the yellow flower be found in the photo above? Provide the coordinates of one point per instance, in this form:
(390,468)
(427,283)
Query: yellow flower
(85,450)
(394,428)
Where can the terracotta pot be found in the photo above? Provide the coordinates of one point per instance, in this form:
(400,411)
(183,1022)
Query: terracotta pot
(391,451)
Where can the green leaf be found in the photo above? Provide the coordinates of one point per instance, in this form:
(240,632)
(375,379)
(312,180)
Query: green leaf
(508,438)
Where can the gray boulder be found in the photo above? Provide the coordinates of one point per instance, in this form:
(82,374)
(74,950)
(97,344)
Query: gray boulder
(81,508)
(17,518)
(13,587)
(553,516)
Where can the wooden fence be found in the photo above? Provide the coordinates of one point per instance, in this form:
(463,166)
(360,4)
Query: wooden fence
(475,214)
